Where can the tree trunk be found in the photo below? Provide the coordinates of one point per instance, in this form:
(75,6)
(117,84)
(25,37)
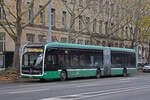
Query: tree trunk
(17,40)
(16,58)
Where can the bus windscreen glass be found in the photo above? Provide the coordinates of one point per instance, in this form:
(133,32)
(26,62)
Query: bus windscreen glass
(32,61)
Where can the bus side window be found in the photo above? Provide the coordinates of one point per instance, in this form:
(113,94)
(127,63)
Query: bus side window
(98,60)
(61,60)
(74,60)
(67,60)
(51,60)
(86,60)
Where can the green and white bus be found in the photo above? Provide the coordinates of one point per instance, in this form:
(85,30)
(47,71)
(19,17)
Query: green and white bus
(64,60)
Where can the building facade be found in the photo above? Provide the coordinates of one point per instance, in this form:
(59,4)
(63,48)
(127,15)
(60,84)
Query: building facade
(86,22)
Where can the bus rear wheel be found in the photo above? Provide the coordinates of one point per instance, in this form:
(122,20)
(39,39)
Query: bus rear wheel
(98,74)
(63,76)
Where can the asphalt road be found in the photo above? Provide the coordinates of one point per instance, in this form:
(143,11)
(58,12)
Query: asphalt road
(135,87)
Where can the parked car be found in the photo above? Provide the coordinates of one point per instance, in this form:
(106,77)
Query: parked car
(146,68)
(140,64)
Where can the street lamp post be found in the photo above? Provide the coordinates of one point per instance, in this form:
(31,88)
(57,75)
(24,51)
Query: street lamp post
(50,24)
(138,17)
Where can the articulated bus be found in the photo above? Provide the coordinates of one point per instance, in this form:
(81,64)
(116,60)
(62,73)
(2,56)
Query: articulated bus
(64,60)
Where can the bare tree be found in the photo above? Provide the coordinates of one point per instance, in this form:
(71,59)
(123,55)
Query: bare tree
(83,12)
(116,18)
(15,27)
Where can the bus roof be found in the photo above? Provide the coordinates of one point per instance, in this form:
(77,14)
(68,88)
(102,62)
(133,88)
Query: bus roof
(79,46)
(122,49)
(69,45)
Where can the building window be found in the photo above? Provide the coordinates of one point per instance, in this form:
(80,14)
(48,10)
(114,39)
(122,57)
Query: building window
(63,19)
(100,26)
(100,3)
(112,8)
(94,26)
(30,11)
(2,14)
(117,11)
(30,37)
(63,40)
(88,3)
(1,1)
(87,42)
(131,30)
(53,16)
(80,41)
(1,47)
(54,39)
(126,30)
(73,41)
(80,3)
(80,23)
(42,38)
(98,42)
(106,27)
(104,43)
(2,42)
(42,16)
(87,23)
(72,1)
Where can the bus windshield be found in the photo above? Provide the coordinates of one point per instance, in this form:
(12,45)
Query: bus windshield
(32,60)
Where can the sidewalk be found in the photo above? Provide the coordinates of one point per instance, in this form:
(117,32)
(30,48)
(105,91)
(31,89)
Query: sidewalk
(17,80)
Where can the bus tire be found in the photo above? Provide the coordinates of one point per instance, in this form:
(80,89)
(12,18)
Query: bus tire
(63,75)
(98,74)
(125,74)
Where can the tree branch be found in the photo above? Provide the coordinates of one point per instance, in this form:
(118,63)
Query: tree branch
(8,23)
(81,12)
(10,12)
(67,7)
(33,18)
(77,34)
(121,26)
(11,35)
(31,5)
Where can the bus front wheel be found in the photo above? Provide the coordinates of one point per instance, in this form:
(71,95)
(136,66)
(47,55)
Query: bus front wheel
(63,76)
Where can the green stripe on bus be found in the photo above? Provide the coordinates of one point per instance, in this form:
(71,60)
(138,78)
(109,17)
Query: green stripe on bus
(131,70)
(81,73)
(116,71)
(51,75)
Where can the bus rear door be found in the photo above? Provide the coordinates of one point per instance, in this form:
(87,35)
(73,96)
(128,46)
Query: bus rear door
(107,61)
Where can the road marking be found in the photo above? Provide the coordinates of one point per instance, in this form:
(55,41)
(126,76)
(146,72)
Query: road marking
(27,91)
(129,79)
(97,93)
(19,91)
(27,85)
(109,93)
